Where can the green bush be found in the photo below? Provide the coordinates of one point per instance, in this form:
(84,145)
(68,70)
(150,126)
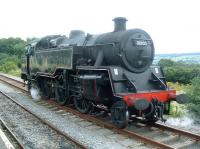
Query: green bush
(3,57)
(179,74)
(177,110)
(11,50)
(12,46)
(179,71)
(178,87)
(7,67)
(194,96)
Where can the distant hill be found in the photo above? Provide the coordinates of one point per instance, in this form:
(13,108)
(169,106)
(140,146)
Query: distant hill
(178,54)
(185,57)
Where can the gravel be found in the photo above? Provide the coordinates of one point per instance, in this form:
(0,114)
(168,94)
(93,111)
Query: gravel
(29,129)
(86,132)
(92,135)
(188,122)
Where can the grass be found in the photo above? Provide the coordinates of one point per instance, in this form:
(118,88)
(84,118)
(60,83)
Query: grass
(16,72)
(178,110)
(177,86)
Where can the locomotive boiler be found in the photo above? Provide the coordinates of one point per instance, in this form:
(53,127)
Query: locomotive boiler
(111,70)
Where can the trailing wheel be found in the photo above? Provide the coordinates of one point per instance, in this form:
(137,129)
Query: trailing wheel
(120,114)
(82,104)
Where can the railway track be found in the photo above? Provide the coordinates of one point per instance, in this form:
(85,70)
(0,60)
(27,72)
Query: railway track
(13,82)
(173,137)
(79,144)
(155,129)
(15,142)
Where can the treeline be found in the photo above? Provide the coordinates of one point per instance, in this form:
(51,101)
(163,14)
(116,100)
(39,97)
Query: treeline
(12,46)
(189,76)
(11,50)
(180,72)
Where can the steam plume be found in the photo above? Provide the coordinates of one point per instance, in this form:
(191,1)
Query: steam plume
(35,93)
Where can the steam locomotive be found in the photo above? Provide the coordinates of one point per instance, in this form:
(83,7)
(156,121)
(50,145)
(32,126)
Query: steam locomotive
(112,70)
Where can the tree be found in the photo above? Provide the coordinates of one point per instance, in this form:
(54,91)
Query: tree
(11,50)
(166,63)
(194,95)
(12,46)
(180,72)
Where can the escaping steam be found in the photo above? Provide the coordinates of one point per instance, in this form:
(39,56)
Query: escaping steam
(185,121)
(35,93)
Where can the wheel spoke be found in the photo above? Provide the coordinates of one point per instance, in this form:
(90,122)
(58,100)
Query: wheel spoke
(82,105)
(61,99)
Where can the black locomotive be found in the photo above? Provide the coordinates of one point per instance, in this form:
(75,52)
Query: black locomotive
(112,70)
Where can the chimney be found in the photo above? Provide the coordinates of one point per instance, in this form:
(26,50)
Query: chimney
(120,24)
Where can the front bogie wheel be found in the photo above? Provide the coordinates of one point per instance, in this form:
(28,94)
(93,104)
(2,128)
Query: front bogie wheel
(119,114)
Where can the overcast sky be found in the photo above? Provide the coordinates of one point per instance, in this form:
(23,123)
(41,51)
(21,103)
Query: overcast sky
(174,25)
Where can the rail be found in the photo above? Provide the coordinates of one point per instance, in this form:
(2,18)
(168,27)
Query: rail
(126,132)
(46,122)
